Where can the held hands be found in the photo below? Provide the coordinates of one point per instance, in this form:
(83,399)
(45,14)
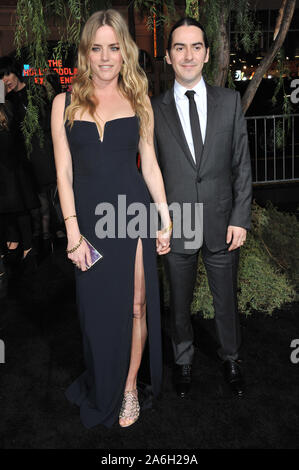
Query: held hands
(163,240)
(236,235)
(80,257)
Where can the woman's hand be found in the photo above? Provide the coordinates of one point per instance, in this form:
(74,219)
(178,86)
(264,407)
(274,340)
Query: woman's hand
(163,242)
(81,257)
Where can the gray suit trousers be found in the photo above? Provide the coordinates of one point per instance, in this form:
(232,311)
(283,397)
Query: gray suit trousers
(221,270)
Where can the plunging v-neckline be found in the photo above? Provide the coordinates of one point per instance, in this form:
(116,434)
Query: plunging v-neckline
(104,127)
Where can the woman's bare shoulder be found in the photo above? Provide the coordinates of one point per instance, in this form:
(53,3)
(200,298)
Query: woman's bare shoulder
(58,106)
(59,100)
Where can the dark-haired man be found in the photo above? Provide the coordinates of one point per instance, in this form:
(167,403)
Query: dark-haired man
(201,144)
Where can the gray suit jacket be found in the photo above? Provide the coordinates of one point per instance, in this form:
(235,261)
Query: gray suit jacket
(221,181)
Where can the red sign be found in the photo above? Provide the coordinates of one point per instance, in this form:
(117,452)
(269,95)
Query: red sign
(66,74)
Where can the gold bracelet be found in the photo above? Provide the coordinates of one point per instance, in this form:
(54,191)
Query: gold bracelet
(167,229)
(75,247)
(66,218)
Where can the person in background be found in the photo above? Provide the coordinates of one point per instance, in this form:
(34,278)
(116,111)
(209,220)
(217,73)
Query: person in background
(3,275)
(41,157)
(17,194)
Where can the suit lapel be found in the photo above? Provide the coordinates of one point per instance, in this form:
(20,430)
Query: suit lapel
(172,118)
(211,123)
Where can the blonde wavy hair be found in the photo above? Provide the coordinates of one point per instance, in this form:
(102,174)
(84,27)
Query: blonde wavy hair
(132,81)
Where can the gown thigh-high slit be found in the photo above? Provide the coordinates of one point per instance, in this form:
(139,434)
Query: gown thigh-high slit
(139,334)
(103,170)
(139,282)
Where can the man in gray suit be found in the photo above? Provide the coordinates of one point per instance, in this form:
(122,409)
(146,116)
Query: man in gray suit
(202,148)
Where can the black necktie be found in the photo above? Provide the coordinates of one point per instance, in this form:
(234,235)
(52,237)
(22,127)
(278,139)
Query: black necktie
(195,125)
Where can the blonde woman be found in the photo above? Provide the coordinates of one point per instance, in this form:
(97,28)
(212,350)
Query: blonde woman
(97,132)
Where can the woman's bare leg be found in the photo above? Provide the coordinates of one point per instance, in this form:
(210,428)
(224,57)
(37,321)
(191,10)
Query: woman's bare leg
(139,332)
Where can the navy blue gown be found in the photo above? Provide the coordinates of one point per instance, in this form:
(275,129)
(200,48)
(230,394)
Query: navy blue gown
(102,170)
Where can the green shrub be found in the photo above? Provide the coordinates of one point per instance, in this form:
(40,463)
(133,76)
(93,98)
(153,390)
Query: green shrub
(280,233)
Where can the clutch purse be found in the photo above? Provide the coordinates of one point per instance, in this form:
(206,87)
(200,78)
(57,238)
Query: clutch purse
(94,253)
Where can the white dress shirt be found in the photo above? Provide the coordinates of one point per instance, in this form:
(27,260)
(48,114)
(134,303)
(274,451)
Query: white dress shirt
(182,105)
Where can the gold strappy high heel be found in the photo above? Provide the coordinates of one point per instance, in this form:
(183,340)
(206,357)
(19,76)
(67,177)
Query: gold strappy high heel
(130,407)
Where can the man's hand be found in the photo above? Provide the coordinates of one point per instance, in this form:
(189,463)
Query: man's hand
(236,235)
(163,242)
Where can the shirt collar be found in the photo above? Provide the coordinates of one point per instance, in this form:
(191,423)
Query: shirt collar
(179,90)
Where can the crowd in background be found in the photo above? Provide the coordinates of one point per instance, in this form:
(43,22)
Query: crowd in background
(29,209)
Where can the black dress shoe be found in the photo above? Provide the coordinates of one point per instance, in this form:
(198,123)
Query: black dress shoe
(233,377)
(182,379)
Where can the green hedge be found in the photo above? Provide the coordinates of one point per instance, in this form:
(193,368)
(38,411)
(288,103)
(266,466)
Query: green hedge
(268,274)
